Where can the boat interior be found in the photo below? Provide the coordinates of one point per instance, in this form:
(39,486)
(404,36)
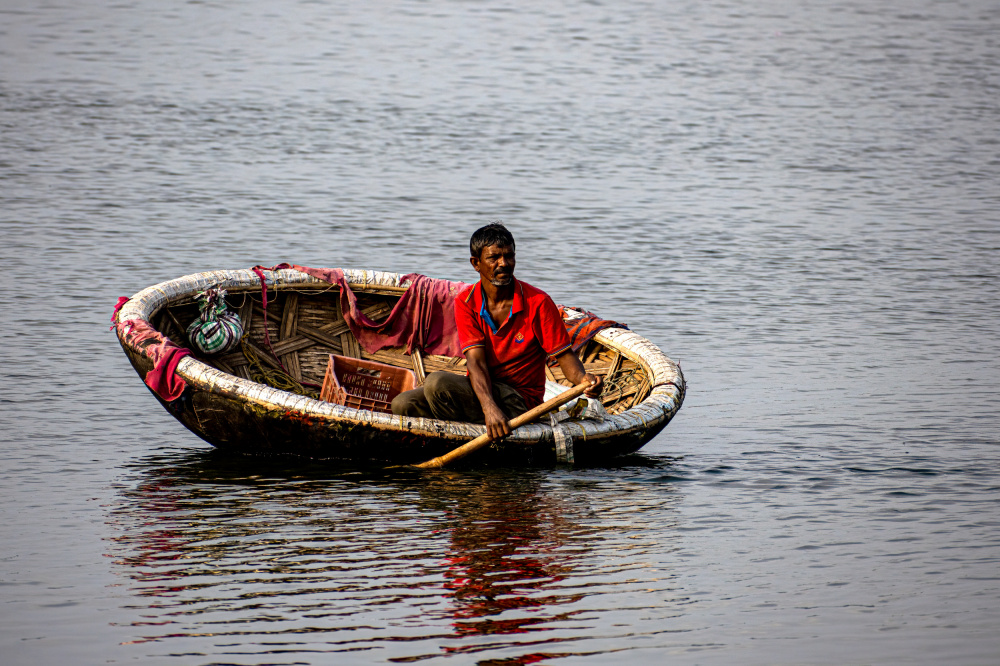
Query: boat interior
(305,326)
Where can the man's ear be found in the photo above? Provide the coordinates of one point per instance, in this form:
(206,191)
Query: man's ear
(475,263)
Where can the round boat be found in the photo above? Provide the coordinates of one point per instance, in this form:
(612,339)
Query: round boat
(262,399)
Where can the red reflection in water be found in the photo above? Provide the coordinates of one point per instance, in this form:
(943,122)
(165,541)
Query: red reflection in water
(505,552)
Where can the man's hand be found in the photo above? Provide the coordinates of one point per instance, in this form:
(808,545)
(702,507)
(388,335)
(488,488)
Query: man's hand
(497,424)
(479,375)
(596,385)
(573,370)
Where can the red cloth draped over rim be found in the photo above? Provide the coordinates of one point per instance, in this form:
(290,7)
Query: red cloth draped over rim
(424,317)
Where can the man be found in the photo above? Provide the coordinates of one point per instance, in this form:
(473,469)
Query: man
(507,330)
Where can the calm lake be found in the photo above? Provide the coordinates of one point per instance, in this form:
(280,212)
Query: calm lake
(799,202)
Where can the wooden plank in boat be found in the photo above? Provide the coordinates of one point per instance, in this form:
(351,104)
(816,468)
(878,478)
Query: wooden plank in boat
(289,324)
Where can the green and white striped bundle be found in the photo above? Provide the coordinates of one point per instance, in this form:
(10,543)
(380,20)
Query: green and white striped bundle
(216,330)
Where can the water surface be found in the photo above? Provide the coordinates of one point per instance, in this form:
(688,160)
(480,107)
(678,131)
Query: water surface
(798,203)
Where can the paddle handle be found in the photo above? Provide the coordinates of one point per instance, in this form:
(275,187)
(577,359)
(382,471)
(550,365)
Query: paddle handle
(516,422)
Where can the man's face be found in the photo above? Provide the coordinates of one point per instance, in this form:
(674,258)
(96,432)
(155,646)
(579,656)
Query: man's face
(495,264)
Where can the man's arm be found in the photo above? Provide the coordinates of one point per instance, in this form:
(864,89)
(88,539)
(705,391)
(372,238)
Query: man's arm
(479,375)
(573,369)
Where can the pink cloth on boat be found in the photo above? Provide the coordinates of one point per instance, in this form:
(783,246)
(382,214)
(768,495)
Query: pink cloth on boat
(424,317)
(137,331)
(122,300)
(163,378)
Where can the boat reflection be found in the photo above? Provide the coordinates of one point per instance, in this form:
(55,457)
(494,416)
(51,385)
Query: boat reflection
(339,560)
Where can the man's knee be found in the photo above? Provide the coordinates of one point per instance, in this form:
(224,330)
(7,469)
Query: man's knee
(432,380)
(439,390)
(410,403)
(451,397)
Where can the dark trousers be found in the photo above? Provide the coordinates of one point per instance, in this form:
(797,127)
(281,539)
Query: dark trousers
(451,397)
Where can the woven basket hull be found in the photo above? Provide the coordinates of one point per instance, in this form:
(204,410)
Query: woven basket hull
(237,414)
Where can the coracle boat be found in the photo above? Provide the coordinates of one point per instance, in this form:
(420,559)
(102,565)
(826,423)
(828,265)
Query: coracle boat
(263,398)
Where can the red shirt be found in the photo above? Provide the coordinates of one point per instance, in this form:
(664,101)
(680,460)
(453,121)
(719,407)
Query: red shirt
(516,352)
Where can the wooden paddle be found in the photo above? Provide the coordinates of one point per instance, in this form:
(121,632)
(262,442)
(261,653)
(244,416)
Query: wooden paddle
(516,422)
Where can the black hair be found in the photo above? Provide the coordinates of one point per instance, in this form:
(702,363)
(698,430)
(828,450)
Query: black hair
(493,233)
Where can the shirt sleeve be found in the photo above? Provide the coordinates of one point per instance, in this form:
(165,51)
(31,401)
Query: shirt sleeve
(469,333)
(550,330)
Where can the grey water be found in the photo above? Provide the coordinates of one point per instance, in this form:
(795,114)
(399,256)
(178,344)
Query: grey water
(798,201)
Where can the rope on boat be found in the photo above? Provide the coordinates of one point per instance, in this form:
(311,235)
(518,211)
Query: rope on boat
(618,383)
(271,376)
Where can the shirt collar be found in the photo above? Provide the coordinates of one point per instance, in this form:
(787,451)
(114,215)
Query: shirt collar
(516,306)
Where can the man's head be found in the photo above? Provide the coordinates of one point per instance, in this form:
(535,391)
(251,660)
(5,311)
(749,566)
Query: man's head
(492,234)
(492,254)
